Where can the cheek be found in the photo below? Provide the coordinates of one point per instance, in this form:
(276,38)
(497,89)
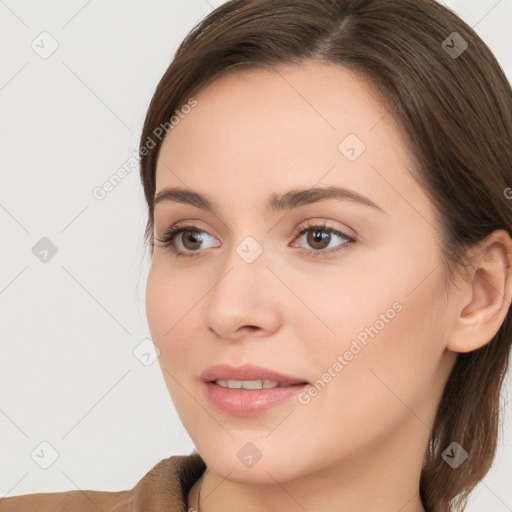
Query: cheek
(170,303)
(387,344)
(169,297)
(381,383)
(169,310)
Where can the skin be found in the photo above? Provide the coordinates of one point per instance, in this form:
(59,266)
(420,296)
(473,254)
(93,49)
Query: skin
(358,445)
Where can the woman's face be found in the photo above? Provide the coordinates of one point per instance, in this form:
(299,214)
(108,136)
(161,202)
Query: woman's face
(363,322)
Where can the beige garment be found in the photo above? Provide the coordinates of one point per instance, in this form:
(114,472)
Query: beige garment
(164,488)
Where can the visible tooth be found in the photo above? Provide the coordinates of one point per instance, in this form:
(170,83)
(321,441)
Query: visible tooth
(251,384)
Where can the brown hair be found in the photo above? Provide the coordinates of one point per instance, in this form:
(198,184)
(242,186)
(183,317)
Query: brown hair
(457,113)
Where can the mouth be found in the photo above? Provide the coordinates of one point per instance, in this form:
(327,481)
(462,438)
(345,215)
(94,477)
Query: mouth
(249,374)
(254,384)
(249,390)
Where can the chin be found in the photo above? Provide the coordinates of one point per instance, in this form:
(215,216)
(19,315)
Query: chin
(232,460)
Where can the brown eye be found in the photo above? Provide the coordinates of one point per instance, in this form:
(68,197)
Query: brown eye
(319,239)
(189,237)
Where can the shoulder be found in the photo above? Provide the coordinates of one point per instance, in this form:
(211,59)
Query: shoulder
(163,488)
(69,501)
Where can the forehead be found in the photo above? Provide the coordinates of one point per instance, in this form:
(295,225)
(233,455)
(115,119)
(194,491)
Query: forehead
(290,104)
(273,128)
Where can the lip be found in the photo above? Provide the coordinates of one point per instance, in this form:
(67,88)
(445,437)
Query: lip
(247,372)
(248,402)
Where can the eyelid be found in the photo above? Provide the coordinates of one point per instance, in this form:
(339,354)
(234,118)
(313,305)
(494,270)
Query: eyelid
(321,222)
(313,222)
(187,223)
(176,230)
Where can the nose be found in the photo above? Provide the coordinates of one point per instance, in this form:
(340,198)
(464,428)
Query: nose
(245,300)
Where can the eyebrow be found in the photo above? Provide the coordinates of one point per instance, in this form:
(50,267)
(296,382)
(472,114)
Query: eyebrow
(275,203)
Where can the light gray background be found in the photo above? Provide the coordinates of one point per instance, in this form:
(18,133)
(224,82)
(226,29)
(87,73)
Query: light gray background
(69,376)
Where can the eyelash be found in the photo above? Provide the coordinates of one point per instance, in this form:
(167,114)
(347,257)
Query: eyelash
(169,236)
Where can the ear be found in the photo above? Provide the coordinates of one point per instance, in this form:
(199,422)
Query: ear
(486,295)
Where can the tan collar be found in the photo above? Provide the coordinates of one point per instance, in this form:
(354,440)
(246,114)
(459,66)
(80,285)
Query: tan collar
(167,484)
(164,488)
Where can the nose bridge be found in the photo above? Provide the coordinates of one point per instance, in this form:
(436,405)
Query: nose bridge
(241,295)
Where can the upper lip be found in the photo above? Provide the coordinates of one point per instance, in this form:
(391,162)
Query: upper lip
(247,372)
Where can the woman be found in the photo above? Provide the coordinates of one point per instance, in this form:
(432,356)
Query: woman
(329,220)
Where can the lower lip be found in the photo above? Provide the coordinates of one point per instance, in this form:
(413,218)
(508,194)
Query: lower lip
(248,402)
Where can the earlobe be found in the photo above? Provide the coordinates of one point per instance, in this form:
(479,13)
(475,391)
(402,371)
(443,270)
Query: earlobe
(487,296)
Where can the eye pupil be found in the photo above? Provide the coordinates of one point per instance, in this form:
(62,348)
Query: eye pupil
(317,236)
(193,237)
